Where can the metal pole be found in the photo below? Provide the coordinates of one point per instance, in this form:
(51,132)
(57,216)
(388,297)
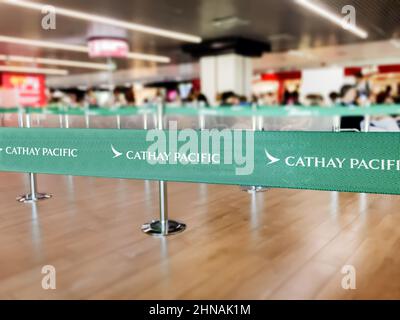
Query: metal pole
(33,196)
(164,226)
(258,124)
(145,120)
(164,207)
(118,122)
(33,186)
(66,120)
(367,120)
(202,118)
(336,124)
(87,119)
(367,123)
(20,118)
(60,120)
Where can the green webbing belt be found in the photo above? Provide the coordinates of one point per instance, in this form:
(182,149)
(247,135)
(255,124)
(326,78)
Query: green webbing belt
(349,162)
(9,110)
(280,111)
(266,111)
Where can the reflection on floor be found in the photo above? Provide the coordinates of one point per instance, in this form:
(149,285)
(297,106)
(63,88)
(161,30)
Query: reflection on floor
(279,244)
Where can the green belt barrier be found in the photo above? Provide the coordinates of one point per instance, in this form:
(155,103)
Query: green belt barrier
(271,111)
(8,110)
(280,111)
(90,112)
(348,162)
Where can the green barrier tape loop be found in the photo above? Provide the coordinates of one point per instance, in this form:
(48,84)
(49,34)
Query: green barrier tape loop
(348,162)
(263,111)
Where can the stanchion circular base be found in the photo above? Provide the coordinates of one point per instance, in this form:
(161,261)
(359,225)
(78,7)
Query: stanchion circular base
(154,228)
(254,189)
(27,198)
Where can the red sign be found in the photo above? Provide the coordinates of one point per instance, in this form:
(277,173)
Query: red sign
(108,48)
(30,89)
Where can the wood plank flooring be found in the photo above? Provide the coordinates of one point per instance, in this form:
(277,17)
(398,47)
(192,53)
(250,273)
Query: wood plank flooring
(282,244)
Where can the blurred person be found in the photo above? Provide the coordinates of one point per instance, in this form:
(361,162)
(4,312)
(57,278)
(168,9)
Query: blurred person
(269,99)
(202,100)
(291,98)
(334,98)
(130,97)
(363,87)
(197,98)
(229,98)
(243,101)
(118,98)
(314,100)
(56,97)
(385,97)
(91,98)
(349,96)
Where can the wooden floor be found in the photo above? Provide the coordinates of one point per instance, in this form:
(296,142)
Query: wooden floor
(283,244)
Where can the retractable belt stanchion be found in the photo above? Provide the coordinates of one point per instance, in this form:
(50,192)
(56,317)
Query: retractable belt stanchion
(145,127)
(202,118)
(367,121)
(66,119)
(33,196)
(336,124)
(164,226)
(118,121)
(258,124)
(61,119)
(87,119)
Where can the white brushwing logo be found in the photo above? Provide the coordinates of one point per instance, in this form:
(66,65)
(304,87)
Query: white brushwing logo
(271,158)
(117,154)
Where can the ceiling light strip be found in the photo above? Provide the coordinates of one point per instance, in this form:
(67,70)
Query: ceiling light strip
(56,62)
(54,72)
(109,21)
(75,48)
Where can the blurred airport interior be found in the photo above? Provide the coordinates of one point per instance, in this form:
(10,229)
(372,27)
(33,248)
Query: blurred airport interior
(260,65)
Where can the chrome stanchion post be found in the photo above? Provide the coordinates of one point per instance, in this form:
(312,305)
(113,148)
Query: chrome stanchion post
(254,117)
(367,119)
(20,118)
(87,119)
(202,118)
(66,117)
(258,124)
(61,120)
(118,121)
(336,123)
(145,127)
(33,196)
(367,123)
(164,226)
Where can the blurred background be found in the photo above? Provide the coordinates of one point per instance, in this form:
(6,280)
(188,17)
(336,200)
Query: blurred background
(228,52)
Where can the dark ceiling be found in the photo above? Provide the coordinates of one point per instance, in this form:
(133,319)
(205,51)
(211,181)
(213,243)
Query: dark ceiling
(282,22)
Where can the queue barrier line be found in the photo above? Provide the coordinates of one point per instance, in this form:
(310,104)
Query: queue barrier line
(280,111)
(259,111)
(344,162)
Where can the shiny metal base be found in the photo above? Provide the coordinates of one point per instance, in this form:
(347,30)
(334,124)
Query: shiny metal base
(28,198)
(154,228)
(254,189)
